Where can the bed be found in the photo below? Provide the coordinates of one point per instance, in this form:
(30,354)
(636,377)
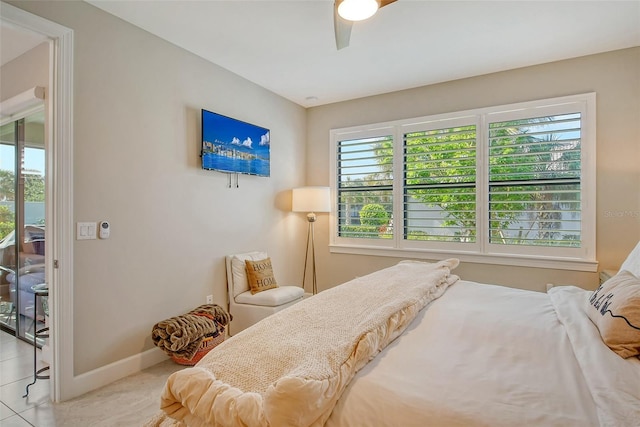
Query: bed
(451,353)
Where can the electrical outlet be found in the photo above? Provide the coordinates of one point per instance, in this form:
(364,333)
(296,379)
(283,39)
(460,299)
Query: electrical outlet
(209,299)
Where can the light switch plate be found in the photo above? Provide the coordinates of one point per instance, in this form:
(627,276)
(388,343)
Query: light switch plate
(85,231)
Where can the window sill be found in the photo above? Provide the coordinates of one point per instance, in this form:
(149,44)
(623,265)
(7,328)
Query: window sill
(495,259)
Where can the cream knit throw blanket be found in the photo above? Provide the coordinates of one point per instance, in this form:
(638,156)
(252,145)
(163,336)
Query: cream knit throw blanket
(291,368)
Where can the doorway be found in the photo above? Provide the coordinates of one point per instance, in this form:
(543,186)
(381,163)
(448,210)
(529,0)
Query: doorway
(59,191)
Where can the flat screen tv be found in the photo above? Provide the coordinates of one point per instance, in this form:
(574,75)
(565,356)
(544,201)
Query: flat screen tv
(234,146)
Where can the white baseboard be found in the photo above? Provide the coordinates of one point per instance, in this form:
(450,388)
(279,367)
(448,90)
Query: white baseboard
(104,375)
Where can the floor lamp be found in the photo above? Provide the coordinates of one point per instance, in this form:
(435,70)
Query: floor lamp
(310,200)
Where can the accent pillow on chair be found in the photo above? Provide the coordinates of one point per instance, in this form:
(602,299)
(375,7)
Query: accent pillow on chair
(239,270)
(260,275)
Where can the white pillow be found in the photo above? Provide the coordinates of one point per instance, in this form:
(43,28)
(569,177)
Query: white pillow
(239,272)
(632,263)
(615,309)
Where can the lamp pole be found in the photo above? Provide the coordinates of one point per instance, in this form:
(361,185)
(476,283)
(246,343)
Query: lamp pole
(310,200)
(311,218)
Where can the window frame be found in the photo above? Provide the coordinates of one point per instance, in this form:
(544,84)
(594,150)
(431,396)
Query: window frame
(579,259)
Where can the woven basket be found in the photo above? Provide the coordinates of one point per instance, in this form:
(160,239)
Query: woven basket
(207,344)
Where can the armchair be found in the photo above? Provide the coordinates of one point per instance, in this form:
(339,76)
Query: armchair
(247,308)
(30,276)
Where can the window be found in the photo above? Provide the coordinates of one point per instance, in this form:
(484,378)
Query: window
(365,188)
(439,184)
(511,184)
(534,181)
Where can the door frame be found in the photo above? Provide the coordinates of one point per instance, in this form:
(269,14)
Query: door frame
(59,193)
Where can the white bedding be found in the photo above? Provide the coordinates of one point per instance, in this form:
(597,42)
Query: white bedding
(613,382)
(485,355)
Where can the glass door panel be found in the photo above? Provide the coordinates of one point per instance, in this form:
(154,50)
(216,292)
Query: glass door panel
(22,221)
(31,219)
(8,294)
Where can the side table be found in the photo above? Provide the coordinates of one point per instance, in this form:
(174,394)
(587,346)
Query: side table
(39,291)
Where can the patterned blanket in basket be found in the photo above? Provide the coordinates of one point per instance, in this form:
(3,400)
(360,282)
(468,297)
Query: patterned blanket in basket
(181,336)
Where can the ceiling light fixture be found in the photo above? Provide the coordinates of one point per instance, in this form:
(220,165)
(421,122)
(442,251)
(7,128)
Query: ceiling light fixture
(357,10)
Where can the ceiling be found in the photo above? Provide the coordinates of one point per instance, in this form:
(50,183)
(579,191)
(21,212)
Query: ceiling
(15,41)
(288,47)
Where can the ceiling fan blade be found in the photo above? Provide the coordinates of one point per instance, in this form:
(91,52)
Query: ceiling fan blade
(342,28)
(383,3)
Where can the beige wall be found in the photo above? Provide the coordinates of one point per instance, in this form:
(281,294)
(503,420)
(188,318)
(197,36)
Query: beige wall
(614,76)
(136,164)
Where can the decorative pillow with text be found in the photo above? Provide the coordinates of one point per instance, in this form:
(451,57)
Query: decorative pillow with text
(239,270)
(615,309)
(260,275)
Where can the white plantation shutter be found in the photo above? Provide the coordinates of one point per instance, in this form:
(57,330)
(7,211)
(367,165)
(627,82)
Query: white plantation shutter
(534,181)
(440,185)
(365,182)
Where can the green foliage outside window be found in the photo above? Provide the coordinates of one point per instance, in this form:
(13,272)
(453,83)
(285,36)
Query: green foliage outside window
(374,223)
(374,215)
(7,185)
(535,169)
(33,192)
(7,221)
(440,173)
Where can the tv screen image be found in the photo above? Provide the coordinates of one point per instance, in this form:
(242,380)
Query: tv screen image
(234,146)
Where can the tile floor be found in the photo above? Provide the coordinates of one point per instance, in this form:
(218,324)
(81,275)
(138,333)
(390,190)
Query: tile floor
(127,402)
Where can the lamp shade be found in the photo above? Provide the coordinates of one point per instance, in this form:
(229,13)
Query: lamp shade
(311,199)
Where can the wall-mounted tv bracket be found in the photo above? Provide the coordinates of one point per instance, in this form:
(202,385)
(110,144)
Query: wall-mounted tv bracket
(237,179)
